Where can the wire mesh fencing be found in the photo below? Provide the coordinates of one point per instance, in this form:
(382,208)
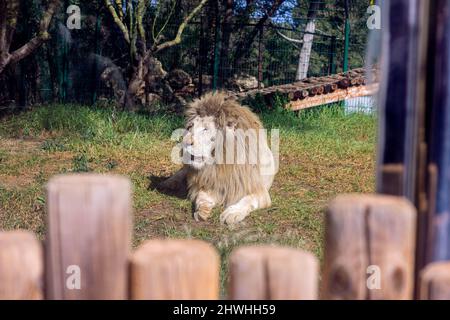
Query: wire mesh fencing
(273,58)
(78,65)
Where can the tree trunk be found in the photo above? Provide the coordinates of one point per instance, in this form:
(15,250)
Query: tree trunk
(308,38)
(9,11)
(305,52)
(135,94)
(148,78)
(148,75)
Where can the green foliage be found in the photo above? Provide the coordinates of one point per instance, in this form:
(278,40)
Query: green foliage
(88,123)
(323,152)
(260,104)
(279,103)
(257,103)
(80,163)
(53,145)
(71,64)
(3,155)
(111,164)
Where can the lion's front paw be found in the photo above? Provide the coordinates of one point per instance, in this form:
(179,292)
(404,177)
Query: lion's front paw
(232,215)
(202,215)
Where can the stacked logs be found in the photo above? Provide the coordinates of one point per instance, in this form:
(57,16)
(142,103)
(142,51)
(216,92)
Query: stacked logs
(311,87)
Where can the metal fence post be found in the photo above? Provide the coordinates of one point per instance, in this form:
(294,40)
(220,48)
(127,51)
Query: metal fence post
(332,53)
(95,68)
(347,36)
(260,57)
(216,53)
(201,56)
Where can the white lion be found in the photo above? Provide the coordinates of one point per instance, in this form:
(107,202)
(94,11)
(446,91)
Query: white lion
(227,159)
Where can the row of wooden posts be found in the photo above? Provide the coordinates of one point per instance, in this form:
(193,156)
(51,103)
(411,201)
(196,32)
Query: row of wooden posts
(313,86)
(313,92)
(369,254)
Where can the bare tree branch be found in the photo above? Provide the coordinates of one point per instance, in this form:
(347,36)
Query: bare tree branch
(289,39)
(141,9)
(8,28)
(181,28)
(156,37)
(244,44)
(9,10)
(132,29)
(119,5)
(118,20)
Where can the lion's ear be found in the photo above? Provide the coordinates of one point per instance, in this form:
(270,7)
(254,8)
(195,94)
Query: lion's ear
(230,129)
(231,124)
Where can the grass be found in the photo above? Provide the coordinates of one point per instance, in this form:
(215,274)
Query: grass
(323,152)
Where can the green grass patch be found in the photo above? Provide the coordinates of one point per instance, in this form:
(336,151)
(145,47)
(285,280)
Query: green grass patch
(323,152)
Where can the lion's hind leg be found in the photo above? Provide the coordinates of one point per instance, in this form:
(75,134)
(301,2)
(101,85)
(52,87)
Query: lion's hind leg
(204,204)
(175,182)
(238,211)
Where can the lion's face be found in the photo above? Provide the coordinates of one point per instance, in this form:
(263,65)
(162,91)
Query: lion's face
(199,142)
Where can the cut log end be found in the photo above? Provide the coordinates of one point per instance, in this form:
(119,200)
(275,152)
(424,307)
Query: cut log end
(21,266)
(435,282)
(174,270)
(370,247)
(268,272)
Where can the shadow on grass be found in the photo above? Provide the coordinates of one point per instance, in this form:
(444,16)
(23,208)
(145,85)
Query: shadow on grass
(155,184)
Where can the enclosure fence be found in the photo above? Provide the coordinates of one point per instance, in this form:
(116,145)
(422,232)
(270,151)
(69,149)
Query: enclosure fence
(71,64)
(369,254)
(270,61)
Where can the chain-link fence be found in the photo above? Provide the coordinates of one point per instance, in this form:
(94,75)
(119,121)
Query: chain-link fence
(215,54)
(272,59)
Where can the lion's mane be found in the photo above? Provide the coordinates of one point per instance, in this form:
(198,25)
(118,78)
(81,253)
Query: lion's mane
(226,182)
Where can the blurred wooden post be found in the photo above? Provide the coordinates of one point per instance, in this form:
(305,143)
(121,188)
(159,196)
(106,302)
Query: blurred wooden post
(435,282)
(273,273)
(21,266)
(369,248)
(438,133)
(392,177)
(402,96)
(88,237)
(174,270)
(407,64)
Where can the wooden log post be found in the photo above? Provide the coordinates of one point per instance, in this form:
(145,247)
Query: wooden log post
(300,94)
(291,96)
(88,237)
(344,83)
(330,87)
(313,91)
(21,266)
(273,273)
(339,95)
(320,89)
(392,179)
(174,270)
(369,248)
(435,281)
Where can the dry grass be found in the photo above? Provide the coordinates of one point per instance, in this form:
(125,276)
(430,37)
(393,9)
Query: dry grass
(322,153)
